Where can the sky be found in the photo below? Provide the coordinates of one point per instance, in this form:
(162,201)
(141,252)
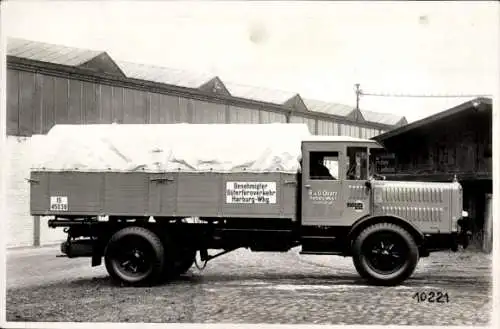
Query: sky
(317,49)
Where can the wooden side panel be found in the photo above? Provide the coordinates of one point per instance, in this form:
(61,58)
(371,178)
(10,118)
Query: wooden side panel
(13,109)
(61,100)
(206,112)
(48,111)
(117,107)
(39,193)
(75,102)
(289,183)
(105,108)
(126,193)
(243,115)
(199,194)
(83,190)
(163,194)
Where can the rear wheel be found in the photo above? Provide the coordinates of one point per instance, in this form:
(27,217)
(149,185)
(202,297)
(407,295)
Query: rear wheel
(185,261)
(385,254)
(135,256)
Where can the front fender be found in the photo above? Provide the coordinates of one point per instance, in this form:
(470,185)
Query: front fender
(368,220)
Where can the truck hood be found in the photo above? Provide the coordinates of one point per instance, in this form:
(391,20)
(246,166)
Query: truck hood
(434,206)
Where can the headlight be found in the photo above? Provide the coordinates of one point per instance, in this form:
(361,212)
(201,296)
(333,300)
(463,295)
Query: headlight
(465,213)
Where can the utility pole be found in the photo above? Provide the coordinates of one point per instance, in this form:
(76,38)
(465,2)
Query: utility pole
(358,94)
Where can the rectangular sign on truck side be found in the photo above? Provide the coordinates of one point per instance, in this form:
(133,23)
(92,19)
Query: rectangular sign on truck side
(251,192)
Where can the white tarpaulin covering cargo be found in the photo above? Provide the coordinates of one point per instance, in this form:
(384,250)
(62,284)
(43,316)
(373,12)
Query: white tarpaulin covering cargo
(172,147)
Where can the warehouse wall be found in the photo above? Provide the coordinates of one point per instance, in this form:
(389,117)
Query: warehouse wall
(311,123)
(36,102)
(20,225)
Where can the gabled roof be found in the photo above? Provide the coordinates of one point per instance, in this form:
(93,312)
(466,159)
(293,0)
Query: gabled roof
(100,61)
(296,102)
(46,52)
(103,63)
(342,110)
(260,94)
(384,118)
(467,106)
(164,75)
(329,108)
(215,86)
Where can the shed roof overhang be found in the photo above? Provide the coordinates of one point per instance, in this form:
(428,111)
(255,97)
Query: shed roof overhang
(477,104)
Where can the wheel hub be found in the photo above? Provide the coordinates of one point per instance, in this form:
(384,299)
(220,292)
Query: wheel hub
(385,253)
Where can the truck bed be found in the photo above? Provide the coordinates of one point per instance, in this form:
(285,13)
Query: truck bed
(164,194)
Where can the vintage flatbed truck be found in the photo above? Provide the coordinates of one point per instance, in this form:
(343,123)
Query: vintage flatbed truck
(148,198)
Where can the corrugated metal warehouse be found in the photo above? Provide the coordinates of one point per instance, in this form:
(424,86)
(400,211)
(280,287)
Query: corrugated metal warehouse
(52,84)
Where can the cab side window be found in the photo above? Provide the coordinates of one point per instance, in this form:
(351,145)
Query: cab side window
(324,165)
(357,167)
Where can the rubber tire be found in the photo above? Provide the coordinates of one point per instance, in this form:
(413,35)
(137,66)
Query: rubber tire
(185,262)
(154,242)
(369,274)
(177,262)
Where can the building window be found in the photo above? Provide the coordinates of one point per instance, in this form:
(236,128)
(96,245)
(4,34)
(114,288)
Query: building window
(323,165)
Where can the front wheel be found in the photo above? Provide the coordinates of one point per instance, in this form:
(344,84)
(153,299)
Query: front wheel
(385,254)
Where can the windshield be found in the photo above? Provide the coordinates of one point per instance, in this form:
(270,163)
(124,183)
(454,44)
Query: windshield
(382,162)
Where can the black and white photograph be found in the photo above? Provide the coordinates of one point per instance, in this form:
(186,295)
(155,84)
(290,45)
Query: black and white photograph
(231,163)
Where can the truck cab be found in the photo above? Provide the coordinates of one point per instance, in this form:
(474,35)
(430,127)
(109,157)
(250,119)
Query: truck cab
(386,226)
(334,174)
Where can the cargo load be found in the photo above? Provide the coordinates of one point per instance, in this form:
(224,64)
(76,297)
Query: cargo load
(220,148)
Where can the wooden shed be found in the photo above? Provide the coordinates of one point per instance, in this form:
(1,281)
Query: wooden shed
(456,142)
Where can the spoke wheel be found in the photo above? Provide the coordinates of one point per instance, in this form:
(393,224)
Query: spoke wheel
(385,254)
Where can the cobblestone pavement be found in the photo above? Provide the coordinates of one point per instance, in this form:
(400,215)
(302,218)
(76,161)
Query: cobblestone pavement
(245,287)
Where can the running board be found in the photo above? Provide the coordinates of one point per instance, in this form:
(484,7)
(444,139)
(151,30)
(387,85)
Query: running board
(336,253)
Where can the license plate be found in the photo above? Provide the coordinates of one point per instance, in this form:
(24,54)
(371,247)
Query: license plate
(59,203)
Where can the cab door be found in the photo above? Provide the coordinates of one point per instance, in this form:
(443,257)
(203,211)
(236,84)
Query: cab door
(357,201)
(322,197)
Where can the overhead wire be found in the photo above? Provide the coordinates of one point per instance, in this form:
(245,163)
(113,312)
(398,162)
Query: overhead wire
(362,93)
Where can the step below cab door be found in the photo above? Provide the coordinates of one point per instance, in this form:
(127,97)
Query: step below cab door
(322,184)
